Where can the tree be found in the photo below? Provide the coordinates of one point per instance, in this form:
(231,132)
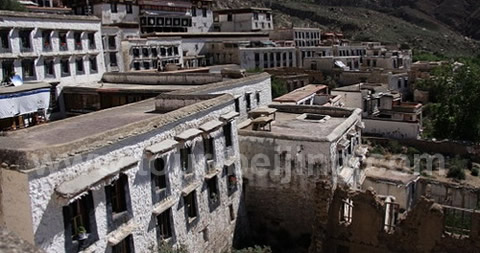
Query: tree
(278,88)
(455,95)
(11,5)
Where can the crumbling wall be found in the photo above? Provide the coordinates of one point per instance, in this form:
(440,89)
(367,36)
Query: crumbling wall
(420,230)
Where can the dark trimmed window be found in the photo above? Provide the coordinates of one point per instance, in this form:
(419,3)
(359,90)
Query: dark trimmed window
(213,193)
(25,40)
(190,206)
(28,68)
(93,64)
(63,41)
(227,131)
(49,68)
(65,66)
(129,8)
(114,7)
(7,69)
(112,42)
(46,40)
(117,194)
(159,175)
(164,225)
(209,148)
(125,246)
(194,11)
(78,40)
(79,224)
(204,12)
(79,66)
(4,40)
(186,159)
(113,59)
(91,41)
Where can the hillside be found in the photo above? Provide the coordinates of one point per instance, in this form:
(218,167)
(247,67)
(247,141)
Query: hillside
(441,26)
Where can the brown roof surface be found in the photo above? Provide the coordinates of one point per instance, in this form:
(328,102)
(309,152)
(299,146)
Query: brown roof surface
(301,93)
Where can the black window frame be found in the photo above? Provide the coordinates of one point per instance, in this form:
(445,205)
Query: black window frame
(186,159)
(129,8)
(30,64)
(209,147)
(227,132)
(63,67)
(114,7)
(93,64)
(4,39)
(191,206)
(164,225)
(49,66)
(79,66)
(25,40)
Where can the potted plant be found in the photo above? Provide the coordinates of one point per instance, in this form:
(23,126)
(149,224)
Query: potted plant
(214,198)
(82,233)
(233,182)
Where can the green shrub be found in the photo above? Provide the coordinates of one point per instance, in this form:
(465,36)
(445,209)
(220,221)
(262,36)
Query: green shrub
(11,5)
(475,171)
(167,248)
(278,88)
(256,249)
(395,147)
(456,168)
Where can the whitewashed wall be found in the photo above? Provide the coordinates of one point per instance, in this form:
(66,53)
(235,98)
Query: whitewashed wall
(47,212)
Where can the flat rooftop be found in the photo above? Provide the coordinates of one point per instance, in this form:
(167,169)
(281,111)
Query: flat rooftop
(132,87)
(76,128)
(377,87)
(312,123)
(206,34)
(301,93)
(28,86)
(82,134)
(33,16)
(390,175)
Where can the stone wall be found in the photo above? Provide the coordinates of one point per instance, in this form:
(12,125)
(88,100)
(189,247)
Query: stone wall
(391,128)
(420,230)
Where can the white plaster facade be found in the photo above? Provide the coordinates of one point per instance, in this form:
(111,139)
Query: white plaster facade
(47,226)
(39,50)
(256,89)
(268,57)
(126,13)
(244,20)
(152,53)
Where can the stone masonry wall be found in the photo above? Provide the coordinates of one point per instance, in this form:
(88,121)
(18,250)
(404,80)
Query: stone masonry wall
(420,230)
